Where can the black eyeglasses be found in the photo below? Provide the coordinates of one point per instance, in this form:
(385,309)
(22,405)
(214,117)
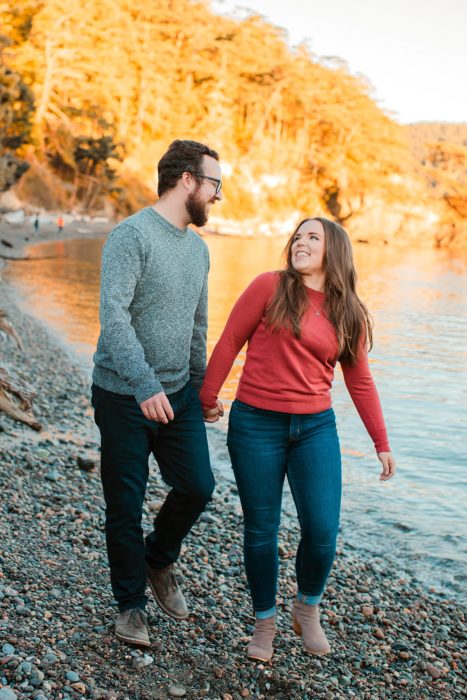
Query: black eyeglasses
(217,182)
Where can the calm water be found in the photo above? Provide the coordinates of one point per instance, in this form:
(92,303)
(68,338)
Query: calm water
(419,302)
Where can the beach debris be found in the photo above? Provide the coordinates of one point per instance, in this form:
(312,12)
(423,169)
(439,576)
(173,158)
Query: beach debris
(27,258)
(7,327)
(16,395)
(79,688)
(16,398)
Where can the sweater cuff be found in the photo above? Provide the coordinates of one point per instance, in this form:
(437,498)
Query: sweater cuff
(145,391)
(207,398)
(382,447)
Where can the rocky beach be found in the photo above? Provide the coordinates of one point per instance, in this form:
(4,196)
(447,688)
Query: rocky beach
(390,638)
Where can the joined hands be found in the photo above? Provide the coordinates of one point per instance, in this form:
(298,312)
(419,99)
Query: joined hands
(211,415)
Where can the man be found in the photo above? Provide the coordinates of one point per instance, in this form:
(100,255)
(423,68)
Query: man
(149,366)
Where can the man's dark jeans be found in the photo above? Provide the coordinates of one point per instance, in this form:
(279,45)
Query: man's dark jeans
(181,451)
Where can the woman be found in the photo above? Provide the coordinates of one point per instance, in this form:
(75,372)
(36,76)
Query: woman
(298,322)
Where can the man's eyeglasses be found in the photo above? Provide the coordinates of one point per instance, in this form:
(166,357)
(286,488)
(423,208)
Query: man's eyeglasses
(217,182)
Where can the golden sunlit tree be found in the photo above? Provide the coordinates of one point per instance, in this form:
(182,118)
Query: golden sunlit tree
(300,132)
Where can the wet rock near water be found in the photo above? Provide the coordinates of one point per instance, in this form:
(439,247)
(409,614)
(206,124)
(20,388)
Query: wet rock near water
(390,638)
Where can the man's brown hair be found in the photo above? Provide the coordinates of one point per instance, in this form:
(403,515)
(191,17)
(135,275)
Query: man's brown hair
(181,156)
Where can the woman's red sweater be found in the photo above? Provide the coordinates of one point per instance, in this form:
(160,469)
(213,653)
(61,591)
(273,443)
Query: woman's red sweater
(288,374)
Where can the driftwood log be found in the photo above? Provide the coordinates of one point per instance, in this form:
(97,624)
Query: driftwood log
(33,258)
(16,395)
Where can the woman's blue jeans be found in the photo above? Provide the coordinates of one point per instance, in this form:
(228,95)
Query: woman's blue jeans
(264,447)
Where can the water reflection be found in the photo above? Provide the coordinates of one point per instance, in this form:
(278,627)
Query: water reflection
(62,288)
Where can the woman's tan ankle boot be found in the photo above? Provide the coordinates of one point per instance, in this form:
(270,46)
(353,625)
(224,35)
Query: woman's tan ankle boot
(305,621)
(260,647)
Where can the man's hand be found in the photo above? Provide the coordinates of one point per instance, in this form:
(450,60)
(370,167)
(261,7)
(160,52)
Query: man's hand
(212,415)
(389,465)
(157,408)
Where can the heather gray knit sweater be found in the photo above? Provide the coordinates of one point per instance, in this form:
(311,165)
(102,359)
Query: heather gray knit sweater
(153,308)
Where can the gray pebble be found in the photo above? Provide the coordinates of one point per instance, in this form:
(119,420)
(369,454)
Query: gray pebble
(7,694)
(70,522)
(72,676)
(50,658)
(52,475)
(143,661)
(24,611)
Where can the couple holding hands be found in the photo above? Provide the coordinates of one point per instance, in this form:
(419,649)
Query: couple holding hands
(151,393)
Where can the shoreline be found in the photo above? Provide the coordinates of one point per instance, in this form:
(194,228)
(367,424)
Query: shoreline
(14,239)
(391,639)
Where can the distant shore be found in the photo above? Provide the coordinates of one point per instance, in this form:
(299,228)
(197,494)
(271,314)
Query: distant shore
(14,238)
(391,639)
(372,231)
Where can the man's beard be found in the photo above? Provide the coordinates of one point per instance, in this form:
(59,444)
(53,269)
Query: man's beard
(197,210)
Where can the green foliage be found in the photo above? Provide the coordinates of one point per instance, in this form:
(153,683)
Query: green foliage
(16,108)
(96,176)
(17,19)
(92,155)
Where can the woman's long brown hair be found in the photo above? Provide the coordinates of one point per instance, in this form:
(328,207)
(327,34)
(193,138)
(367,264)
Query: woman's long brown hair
(343,308)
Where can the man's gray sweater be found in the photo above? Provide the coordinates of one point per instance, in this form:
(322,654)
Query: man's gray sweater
(153,308)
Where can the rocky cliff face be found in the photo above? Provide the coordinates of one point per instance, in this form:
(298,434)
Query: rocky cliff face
(427,224)
(402,224)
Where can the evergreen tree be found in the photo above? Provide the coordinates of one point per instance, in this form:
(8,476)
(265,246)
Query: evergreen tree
(16,109)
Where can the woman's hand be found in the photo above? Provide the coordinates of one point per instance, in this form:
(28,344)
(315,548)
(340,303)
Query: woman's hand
(389,465)
(211,415)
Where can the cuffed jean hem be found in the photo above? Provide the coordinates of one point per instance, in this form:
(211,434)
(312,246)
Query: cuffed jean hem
(264,614)
(309,599)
